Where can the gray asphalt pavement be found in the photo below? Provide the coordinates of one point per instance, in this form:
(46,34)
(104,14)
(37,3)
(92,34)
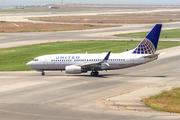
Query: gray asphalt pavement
(19,39)
(58,96)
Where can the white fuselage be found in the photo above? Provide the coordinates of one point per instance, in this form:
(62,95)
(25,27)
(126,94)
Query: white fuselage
(115,61)
(81,63)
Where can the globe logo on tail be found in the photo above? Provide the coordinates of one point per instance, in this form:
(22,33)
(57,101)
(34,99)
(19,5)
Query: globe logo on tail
(145,47)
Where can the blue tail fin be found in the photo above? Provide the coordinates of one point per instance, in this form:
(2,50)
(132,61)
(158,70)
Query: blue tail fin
(150,42)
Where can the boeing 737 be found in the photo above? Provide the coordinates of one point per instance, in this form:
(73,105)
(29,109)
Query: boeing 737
(82,63)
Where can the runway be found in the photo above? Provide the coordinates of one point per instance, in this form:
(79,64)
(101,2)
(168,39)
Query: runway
(30,96)
(20,39)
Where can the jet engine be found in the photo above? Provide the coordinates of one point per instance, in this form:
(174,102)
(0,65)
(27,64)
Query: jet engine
(73,69)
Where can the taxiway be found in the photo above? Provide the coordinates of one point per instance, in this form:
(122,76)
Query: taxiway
(28,95)
(57,96)
(21,39)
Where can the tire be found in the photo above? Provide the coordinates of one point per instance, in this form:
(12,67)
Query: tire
(92,73)
(97,73)
(43,74)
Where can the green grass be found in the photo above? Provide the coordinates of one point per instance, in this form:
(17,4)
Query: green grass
(169,33)
(44,9)
(15,59)
(166,101)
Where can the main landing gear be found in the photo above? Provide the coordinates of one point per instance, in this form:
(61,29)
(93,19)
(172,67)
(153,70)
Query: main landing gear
(94,73)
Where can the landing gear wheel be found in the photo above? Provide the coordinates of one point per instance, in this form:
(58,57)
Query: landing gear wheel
(42,73)
(96,73)
(92,73)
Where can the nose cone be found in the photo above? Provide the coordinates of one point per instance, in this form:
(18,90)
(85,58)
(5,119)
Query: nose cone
(29,64)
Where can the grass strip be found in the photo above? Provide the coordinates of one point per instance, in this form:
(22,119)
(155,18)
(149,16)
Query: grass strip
(39,9)
(15,59)
(164,34)
(168,101)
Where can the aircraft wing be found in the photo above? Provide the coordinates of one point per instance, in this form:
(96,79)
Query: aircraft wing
(97,64)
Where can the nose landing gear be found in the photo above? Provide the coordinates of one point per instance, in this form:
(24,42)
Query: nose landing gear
(43,73)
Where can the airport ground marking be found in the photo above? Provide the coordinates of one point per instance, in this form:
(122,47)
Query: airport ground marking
(100,100)
(82,84)
(129,110)
(79,84)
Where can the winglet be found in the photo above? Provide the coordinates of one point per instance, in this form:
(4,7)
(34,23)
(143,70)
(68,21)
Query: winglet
(107,57)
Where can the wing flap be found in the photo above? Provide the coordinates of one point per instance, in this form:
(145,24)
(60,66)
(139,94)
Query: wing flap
(152,56)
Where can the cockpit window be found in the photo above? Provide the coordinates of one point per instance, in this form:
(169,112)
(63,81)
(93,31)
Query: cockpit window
(35,60)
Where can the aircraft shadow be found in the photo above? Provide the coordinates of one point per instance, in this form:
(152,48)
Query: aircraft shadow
(142,76)
(110,75)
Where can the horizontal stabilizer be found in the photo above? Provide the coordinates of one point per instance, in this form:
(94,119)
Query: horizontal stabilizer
(152,56)
(162,53)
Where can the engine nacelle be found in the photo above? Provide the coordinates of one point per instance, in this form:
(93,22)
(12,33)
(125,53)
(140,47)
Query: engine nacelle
(73,69)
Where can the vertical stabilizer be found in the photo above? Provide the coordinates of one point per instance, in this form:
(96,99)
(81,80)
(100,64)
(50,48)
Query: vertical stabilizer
(150,42)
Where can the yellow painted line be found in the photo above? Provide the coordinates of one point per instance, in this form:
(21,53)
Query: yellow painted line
(150,111)
(123,92)
(100,100)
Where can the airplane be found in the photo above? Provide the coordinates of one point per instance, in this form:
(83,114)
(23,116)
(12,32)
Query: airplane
(82,63)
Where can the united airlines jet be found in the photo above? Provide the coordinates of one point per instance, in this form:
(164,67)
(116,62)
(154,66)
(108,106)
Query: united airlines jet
(82,63)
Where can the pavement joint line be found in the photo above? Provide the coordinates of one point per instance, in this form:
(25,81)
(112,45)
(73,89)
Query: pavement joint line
(38,93)
(49,91)
(151,68)
(129,110)
(39,115)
